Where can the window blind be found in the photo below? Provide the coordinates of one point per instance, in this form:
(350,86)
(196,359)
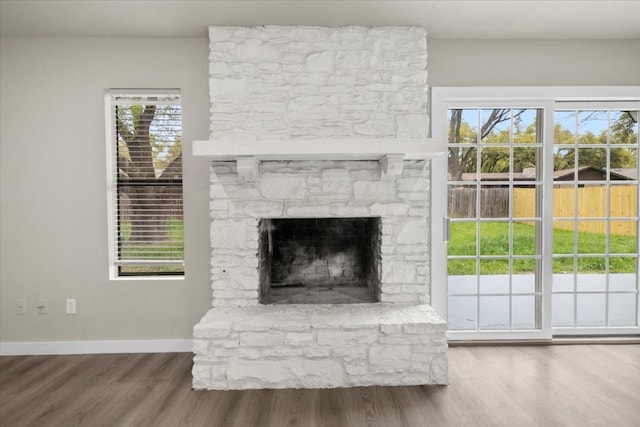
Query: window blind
(148,237)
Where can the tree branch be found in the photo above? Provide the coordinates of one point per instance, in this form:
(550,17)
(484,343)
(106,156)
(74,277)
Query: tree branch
(497,116)
(145,119)
(125,165)
(123,130)
(140,150)
(174,169)
(454,126)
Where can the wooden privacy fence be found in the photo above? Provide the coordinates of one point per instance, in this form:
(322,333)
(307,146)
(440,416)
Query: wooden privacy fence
(592,203)
(494,202)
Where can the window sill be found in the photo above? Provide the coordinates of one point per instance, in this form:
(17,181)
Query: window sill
(176,278)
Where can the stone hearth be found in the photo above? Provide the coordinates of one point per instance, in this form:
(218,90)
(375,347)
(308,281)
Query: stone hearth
(282,346)
(319,124)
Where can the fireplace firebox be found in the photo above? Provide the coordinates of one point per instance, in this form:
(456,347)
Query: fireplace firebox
(319,260)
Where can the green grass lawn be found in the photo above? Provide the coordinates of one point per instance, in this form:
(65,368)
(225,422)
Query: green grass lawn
(172,248)
(494,240)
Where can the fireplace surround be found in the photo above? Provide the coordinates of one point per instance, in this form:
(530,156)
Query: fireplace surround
(320,211)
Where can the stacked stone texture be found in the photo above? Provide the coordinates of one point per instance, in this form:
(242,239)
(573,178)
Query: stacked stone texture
(315,82)
(273,83)
(322,189)
(281,346)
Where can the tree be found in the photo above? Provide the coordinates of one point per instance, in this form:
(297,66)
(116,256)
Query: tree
(625,129)
(621,130)
(149,166)
(464,159)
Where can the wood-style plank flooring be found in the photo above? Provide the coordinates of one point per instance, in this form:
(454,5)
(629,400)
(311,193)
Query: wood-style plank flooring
(573,385)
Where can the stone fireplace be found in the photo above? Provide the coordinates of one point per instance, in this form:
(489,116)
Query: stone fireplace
(319,200)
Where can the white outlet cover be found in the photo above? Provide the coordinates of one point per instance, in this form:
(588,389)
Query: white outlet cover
(71,306)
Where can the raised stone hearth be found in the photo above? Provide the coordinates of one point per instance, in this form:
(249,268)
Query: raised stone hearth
(320,211)
(280,346)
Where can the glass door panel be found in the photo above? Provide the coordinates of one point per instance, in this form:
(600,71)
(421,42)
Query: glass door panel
(595,212)
(495,217)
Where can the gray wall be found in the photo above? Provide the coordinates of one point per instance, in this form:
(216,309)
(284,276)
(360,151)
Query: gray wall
(54,214)
(53,177)
(533,62)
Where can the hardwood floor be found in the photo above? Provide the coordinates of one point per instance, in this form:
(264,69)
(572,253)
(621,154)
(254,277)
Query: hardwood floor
(574,385)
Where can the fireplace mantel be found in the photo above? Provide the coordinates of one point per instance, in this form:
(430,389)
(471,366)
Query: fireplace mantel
(391,152)
(320,149)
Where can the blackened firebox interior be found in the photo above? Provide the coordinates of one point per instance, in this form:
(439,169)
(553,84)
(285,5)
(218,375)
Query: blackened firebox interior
(319,260)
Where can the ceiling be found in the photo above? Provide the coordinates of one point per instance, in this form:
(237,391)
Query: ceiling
(443,19)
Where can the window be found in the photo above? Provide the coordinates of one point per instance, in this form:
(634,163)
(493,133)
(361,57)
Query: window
(144,167)
(542,217)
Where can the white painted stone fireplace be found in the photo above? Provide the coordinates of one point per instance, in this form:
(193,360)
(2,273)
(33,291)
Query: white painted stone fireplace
(320,207)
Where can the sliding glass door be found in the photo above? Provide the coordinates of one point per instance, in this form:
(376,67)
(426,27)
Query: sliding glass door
(542,213)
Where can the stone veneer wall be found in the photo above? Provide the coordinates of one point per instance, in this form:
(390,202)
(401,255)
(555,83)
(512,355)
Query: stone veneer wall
(264,260)
(315,189)
(375,272)
(316,82)
(279,346)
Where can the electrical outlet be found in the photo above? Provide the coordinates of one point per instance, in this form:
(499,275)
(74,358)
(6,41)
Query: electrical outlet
(21,306)
(71,306)
(43,306)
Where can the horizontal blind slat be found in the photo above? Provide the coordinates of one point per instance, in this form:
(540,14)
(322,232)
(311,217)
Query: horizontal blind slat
(148,262)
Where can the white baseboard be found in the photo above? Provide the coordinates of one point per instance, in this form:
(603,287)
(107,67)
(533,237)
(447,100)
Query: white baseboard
(95,347)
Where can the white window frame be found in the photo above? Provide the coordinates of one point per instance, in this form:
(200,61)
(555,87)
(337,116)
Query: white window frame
(546,98)
(112,189)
